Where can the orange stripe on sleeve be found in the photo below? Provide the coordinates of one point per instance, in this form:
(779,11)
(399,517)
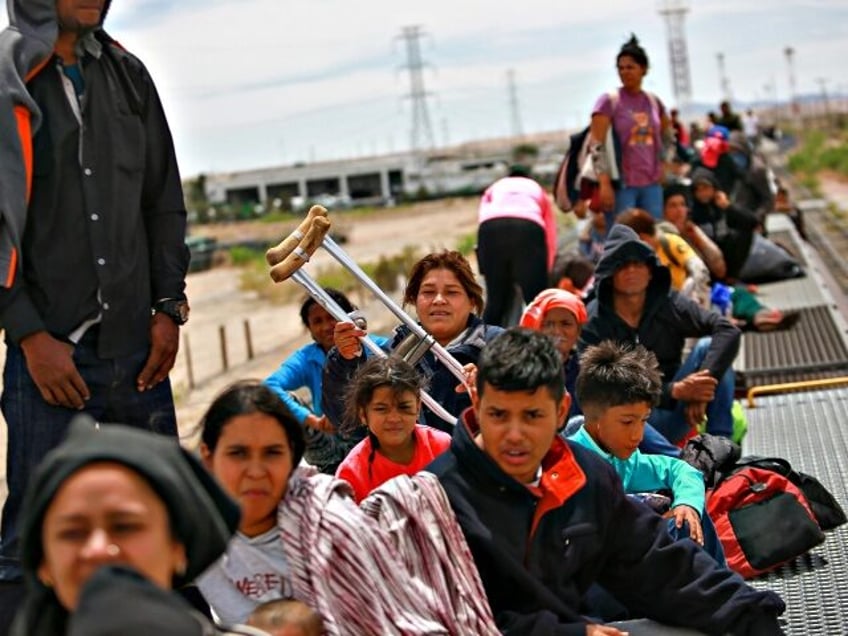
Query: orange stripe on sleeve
(22,117)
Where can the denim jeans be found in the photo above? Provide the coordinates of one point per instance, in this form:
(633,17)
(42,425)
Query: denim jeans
(35,427)
(648,198)
(672,422)
(712,544)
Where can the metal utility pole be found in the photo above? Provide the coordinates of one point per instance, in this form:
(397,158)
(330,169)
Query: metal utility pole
(822,82)
(674,13)
(421,135)
(515,114)
(723,79)
(789,53)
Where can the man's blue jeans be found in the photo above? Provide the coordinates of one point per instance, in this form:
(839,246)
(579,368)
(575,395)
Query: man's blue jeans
(35,427)
(672,422)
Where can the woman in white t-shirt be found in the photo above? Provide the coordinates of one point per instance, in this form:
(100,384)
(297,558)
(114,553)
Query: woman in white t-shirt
(251,444)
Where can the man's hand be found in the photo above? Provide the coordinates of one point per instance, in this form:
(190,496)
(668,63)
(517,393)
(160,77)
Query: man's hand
(164,343)
(51,366)
(695,387)
(695,412)
(320,423)
(689,515)
(603,630)
(346,335)
(721,199)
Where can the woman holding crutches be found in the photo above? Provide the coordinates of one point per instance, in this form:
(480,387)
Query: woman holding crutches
(448,302)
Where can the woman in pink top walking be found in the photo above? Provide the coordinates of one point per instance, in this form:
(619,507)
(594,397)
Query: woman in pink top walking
(384,397)
(516,243)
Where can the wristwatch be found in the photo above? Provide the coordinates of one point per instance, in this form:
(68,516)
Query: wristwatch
(175,308)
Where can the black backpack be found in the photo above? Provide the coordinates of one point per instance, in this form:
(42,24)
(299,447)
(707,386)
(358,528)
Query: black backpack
(827,511)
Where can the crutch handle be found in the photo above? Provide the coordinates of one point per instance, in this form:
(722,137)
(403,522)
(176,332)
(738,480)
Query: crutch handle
(300,254)
(278,253)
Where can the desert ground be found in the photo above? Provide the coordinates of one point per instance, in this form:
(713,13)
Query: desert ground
(219,303)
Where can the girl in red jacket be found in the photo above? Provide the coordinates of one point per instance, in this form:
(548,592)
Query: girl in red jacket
(384,397)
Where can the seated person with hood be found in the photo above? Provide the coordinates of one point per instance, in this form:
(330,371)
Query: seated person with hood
(730,226)
(546,518)
(115,519)
(748,312)
(561,315)
(635,304)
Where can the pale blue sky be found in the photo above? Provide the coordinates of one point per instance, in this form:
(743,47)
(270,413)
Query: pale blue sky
(251,83)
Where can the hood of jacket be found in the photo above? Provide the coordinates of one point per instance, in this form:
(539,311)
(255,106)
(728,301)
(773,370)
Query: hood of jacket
(701,175)
(623,246)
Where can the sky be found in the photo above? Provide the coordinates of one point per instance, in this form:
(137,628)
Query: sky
(257,83)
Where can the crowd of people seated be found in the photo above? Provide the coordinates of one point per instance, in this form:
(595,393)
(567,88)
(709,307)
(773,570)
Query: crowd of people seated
(364,511)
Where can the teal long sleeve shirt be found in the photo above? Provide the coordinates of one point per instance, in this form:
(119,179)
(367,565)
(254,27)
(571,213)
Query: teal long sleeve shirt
(648,473)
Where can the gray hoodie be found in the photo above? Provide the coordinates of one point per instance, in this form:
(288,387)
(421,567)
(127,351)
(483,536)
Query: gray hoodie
(25,46)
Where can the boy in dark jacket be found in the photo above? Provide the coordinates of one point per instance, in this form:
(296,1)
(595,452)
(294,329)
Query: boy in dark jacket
(635,304)
(545,518)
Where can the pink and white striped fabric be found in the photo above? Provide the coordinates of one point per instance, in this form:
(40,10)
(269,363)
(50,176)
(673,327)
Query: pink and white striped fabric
(398,566)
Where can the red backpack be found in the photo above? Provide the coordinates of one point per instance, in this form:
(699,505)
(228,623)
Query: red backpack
(762,520)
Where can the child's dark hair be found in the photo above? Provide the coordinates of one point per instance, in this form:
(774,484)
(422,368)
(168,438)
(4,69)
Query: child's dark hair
(638,220)
(521,360)
(634,50)
(335,294)
(613,374)
(394,372)
(573,266)
(245,398)
(280,612)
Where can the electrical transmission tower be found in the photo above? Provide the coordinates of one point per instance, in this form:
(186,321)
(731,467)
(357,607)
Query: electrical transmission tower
(422,132)
(674,12)
(515,113)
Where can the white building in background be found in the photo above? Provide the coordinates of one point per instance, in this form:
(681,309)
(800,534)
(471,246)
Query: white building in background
(463,169)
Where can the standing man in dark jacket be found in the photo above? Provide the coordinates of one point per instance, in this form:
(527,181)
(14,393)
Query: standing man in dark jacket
(94,296)
(545,518)
(635,304)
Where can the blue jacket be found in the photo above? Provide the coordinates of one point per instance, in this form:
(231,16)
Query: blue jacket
(649,473)
(304,368)
(538,553)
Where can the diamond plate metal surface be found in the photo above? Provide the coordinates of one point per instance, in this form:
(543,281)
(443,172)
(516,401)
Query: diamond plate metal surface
(813,349)
(811,431)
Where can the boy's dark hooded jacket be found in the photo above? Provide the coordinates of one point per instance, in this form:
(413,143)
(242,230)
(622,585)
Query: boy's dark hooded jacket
(667,319)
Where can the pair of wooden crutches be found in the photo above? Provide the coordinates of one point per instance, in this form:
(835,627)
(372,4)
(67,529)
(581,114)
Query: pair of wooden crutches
(293,252)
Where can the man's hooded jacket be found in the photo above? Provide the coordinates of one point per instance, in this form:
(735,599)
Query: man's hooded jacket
(668,318)
(92,218)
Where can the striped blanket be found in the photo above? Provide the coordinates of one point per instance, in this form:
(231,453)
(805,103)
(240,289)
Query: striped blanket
(397,565)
